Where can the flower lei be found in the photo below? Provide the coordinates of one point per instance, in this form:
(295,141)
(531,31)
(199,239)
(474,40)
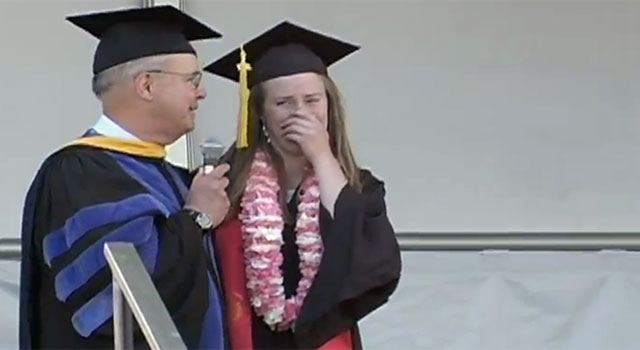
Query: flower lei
(262,226)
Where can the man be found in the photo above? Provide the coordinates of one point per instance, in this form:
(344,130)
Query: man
(113,184)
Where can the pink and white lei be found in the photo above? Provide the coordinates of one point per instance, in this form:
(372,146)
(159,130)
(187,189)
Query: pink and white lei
(262,226)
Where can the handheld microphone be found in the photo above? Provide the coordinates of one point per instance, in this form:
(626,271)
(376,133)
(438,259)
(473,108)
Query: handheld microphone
(211,150)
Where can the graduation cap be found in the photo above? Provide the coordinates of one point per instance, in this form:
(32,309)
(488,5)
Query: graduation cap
(134,33)
(283,50)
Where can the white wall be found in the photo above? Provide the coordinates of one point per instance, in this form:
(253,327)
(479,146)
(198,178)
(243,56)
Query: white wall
(45,90)
(480,115)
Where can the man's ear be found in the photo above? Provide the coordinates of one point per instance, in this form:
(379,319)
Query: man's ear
(143,85)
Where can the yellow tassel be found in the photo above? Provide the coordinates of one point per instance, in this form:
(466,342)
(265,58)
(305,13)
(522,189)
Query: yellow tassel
(242,140)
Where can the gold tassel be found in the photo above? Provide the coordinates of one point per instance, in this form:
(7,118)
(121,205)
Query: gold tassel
(242,140)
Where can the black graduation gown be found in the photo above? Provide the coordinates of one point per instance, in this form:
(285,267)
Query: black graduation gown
(360,269)
(82,197)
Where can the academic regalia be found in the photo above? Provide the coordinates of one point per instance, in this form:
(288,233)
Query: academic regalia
(85,195)
(100,189)
(360,269)
(360,266)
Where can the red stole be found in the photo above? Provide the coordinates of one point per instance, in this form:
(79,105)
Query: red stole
(229,244)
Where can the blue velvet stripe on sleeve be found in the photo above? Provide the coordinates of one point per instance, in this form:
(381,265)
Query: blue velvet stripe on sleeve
(94,313)
(99,309)
(86,219)
(141,232)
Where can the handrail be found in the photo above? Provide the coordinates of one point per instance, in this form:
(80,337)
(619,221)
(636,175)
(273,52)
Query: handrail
(472,241)
(134,292)
(10,249)
(520,241)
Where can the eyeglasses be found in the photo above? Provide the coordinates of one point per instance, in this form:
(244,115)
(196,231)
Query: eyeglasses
(192,78)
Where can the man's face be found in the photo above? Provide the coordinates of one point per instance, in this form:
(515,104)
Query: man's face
(177,91)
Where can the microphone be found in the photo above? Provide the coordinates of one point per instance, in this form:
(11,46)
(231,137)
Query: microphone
(211,150)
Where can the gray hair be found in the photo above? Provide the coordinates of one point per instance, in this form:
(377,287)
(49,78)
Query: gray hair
(106,79)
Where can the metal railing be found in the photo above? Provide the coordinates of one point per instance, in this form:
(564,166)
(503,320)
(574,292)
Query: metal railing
(520,241)
(134,293)
(471,241)
(10,249)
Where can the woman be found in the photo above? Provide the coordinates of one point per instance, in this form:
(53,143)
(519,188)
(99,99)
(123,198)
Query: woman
(307,249)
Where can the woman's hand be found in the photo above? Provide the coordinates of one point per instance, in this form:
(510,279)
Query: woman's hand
(309,133)
(313,138)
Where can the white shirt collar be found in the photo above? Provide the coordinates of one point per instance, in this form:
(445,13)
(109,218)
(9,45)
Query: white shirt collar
(107,127)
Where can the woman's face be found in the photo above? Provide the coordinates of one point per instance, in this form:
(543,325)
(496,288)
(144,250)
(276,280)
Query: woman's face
(286,97)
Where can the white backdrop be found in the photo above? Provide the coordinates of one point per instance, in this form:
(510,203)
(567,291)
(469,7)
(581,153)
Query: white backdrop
(480,115)
(484,301)
(512,301)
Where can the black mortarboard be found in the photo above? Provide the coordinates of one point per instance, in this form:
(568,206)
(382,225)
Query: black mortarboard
(285,49)
(135,33)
